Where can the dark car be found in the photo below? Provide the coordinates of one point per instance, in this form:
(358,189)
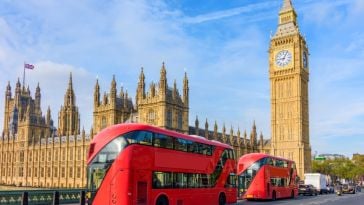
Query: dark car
(307,189)
(349,188)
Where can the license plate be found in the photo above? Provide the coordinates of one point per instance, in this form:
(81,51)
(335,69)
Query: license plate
(249,196)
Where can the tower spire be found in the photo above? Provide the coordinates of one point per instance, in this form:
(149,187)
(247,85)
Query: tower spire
(69,97)
(287,5)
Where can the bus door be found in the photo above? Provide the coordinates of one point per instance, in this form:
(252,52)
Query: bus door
(141,179)
(142,193)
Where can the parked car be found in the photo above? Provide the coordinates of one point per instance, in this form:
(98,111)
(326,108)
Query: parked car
(349,188)
(330,189)
(358,188)
(307,189)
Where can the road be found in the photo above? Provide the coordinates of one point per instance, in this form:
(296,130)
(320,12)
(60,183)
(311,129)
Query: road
(329,199)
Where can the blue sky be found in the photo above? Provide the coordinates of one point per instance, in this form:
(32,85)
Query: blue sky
(221,44)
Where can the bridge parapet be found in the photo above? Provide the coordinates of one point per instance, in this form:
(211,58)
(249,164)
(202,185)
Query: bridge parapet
(43,197)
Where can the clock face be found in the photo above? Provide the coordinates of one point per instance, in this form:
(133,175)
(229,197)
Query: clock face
(283,58)
(304,59)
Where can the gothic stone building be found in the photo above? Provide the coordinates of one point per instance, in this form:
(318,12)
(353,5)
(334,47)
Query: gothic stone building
(35,153)
(165,107)
(32,151)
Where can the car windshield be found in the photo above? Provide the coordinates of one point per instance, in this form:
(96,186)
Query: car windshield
(303,186)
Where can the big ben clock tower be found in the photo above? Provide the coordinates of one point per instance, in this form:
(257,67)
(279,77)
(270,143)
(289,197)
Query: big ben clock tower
(289,75)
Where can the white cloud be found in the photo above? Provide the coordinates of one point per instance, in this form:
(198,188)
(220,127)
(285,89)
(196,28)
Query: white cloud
(228,13)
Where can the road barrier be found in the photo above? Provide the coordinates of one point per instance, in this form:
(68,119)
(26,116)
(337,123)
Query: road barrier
(43,197)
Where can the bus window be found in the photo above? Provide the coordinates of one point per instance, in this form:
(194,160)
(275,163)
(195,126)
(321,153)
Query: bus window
(140,137)
(231,154)
(162,180)
(205,149)
(181,144)
(180,180)
(231,180)
(163,141)
(193,180)
(193,147)
(205,180)
(269,161)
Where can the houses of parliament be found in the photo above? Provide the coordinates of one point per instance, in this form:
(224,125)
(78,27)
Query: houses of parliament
(36,153)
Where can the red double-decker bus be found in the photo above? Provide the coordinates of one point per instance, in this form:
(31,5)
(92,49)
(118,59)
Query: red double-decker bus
(145,165)
(262,176)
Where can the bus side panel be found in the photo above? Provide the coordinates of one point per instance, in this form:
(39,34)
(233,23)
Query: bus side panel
(119,189)
(257,187)
(281,191)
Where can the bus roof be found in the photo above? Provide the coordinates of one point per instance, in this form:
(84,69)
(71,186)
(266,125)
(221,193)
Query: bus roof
(253,157)
(112,132)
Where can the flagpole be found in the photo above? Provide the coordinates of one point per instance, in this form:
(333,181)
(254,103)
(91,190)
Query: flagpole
(24,74)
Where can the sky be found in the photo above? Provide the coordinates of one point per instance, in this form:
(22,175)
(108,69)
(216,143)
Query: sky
(222,45)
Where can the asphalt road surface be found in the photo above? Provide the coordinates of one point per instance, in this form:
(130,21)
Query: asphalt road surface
(326,199)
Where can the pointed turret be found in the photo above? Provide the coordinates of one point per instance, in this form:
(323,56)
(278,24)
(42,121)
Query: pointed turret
(238,137)
(69,97)
(141,87)
(8,90)
(231,137)
(196,126)
(69,118)
(185,90)
(97,94)
(48,120)
(245,138)
(224,133)
(163,80)
(175,89)
(253,135)
(113,91)
(215,131)
(261,140)
(37,99)
(206,129)
(121,94)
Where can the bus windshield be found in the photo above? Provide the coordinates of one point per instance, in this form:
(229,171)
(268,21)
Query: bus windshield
(98,167)
(248,175)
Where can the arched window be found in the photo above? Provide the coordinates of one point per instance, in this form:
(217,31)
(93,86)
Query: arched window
(103,122)
(151,116)
(180,120)
(169,118)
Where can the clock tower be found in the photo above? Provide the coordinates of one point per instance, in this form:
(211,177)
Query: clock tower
(289,75)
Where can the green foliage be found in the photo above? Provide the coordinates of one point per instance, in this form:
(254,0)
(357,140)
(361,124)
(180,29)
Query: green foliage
(341,167)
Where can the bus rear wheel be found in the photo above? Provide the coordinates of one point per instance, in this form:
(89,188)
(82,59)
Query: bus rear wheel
(222,199)
(162,200)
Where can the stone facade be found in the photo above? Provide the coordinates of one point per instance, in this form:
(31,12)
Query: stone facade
(289,75)
(32,153)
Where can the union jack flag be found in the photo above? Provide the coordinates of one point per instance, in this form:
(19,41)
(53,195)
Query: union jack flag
(28,66)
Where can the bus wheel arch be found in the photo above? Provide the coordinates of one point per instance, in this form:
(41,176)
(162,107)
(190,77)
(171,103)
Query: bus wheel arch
(162,200)
(222,198)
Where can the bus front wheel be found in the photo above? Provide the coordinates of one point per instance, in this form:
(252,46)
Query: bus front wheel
(222,199)
(162,200)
